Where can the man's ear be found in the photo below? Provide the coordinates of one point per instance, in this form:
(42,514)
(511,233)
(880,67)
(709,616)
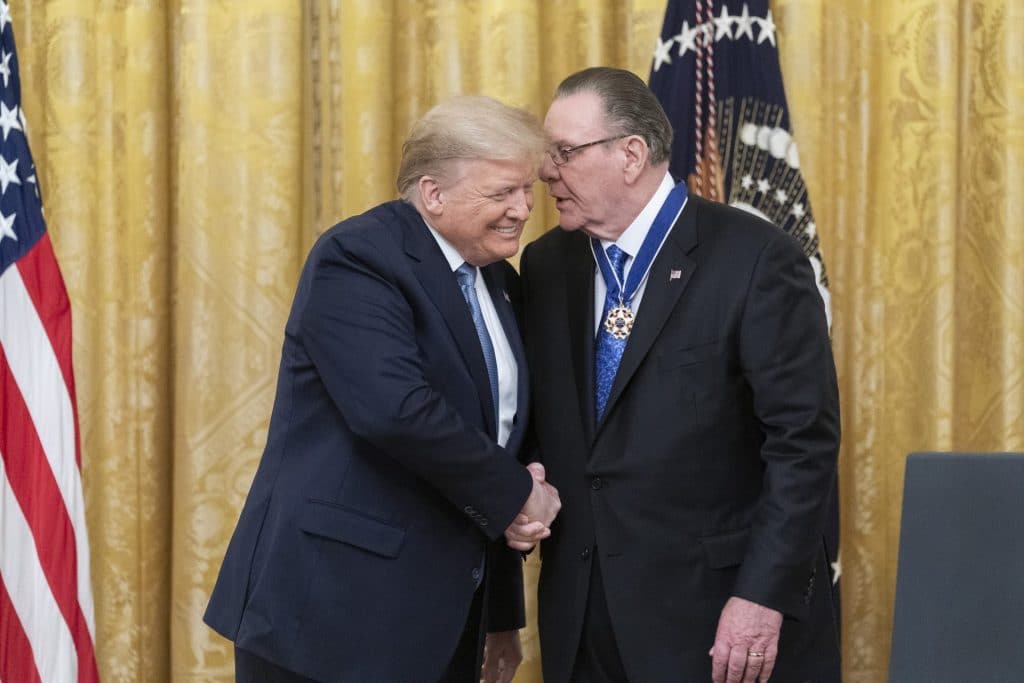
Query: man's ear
(431,195)
(637,155)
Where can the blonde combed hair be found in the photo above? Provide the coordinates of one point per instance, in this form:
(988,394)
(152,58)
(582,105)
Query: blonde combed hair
(468,127)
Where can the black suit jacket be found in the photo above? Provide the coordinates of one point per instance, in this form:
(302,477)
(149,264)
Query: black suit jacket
(710,473)
(357,552)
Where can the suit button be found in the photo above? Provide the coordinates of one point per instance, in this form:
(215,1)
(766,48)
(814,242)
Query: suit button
(483,521)
(476,574)
(596,483)
(585,554)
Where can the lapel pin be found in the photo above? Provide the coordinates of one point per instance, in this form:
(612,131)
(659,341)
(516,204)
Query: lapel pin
(506,296)
(675,275)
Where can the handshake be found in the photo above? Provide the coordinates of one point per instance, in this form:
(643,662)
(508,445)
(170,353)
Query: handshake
(533,522)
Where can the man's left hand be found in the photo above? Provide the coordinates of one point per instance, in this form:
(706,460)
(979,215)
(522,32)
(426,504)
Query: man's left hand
(502,655)
(746,643)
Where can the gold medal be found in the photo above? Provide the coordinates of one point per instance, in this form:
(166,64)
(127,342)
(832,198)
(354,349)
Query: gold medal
(619,322)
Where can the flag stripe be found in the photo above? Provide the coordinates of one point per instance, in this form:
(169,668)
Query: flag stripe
(52,646)
(46,470)
(34,488)
(36,492)
(38,376)
(44,288)
(16,662)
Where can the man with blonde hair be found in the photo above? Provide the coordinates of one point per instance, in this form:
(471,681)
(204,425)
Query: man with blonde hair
(378,541)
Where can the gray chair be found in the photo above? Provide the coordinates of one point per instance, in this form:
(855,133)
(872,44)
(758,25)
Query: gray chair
(959,614)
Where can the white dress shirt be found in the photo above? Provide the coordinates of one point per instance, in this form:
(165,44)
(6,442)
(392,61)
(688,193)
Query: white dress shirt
(630,242)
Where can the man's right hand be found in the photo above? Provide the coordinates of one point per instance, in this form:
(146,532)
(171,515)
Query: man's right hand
(533,523)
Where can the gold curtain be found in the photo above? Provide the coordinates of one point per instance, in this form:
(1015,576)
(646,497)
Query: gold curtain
(910,117)
(191,151)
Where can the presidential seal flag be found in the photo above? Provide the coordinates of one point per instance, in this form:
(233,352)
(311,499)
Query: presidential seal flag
(46,612)
(716,72)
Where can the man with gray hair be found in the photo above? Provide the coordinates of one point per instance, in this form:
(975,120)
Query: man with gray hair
(380,537)
(686,408)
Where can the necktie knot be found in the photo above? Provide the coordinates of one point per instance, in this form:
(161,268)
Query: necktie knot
(466,275)
(617,259)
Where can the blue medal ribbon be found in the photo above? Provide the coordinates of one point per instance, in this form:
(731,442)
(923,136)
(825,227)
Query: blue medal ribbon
(645,257)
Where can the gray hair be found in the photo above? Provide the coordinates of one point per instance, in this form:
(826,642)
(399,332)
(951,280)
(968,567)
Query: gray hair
(468,127)
(630,107)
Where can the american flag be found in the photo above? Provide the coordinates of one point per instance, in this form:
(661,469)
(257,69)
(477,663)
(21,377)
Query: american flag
(716,70)
(46,612)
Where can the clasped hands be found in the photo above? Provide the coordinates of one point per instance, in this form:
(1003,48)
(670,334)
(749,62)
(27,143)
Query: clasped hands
(533,523)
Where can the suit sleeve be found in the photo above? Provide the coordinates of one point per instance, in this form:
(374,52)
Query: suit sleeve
(358,329)
(786,358)
(506,610)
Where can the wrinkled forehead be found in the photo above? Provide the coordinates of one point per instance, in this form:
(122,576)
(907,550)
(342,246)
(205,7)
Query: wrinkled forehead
(575,118)
(492,172)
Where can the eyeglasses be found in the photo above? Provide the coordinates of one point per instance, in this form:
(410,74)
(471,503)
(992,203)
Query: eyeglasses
(560,156)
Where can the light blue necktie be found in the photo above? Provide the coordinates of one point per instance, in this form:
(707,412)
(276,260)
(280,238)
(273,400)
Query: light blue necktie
(467,281)
(608,350)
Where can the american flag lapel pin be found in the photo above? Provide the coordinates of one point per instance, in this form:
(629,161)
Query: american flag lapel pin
(674,275)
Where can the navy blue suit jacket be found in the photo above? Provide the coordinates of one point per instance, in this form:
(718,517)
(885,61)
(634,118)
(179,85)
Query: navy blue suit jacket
(381,487)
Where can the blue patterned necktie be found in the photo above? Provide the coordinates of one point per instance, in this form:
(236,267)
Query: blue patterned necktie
(467,281)
(608,350)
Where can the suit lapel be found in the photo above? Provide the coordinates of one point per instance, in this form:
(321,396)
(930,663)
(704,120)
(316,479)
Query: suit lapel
(670,273)
(580,314)
(435,274)
(498,289)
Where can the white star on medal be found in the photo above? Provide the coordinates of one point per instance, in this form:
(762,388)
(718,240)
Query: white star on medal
(619,322)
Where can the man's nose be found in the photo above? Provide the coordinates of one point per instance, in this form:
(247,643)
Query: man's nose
(548,170)
(521,205)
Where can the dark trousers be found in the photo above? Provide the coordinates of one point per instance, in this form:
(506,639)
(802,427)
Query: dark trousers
(598,660)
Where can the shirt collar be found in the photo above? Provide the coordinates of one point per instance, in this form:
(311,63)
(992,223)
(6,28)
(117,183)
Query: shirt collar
(450,254)
(632,238)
